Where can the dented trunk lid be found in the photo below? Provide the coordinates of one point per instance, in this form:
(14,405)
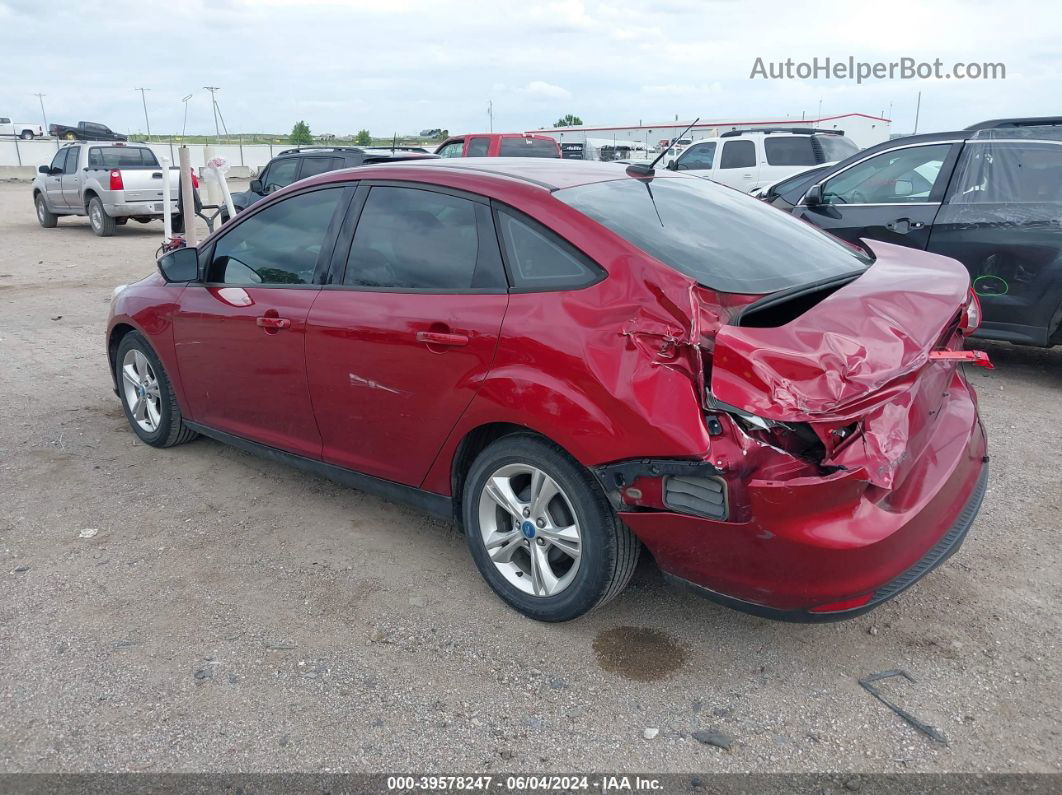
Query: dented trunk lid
(860,356)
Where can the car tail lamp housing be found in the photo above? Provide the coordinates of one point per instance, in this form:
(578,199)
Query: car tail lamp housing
(970,319)
(116,180)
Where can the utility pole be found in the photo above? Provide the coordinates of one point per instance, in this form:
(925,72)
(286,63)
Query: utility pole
(45,115)
(184,127)
(490,113)
(214,105)
(144,101)
(918,110)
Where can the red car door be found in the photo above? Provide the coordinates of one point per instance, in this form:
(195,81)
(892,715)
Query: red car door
(239,335)
(399,343)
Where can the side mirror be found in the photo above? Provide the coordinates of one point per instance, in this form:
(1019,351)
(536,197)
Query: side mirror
(180,266)
(813,198)
(256,186)
(44,169)
(672,165)
(904,187)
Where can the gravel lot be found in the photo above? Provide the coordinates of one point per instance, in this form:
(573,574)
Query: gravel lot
(232,614)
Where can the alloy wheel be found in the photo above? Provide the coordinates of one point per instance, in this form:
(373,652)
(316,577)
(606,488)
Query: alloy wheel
(529,529)
(141,388)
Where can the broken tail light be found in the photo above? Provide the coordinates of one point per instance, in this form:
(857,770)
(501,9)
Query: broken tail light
(970,319)
(116,180)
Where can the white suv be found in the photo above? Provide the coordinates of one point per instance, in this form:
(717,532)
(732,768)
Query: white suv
(749,159)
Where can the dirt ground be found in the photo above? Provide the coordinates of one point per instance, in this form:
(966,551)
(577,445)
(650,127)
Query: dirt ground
(232,614)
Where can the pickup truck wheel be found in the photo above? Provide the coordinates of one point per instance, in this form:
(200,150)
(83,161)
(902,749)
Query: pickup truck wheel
(70,136)
(542,532)
(27,135)
(46,217)
(102,224)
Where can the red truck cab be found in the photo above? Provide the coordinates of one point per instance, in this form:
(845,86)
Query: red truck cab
(499,145)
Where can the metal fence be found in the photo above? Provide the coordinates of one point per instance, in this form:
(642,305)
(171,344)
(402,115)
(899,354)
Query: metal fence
(40,151)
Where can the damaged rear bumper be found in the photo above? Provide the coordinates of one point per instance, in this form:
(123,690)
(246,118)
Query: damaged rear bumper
(832,547)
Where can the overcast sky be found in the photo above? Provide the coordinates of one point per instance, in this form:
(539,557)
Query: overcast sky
(404,65)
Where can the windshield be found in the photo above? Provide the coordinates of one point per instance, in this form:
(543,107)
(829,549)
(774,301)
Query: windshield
(723,239)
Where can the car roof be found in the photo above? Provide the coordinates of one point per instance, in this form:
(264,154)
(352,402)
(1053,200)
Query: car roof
(545,172)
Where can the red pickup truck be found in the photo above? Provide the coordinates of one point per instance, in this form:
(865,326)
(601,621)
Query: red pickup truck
(499,145)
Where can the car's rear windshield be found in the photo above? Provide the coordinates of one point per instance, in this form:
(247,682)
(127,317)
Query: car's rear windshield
(122,157)
(723,239)
(835,147)
(527,147)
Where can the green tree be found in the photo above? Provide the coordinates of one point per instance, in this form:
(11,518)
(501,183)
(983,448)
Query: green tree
(363,138)
(568,120)
(300,134)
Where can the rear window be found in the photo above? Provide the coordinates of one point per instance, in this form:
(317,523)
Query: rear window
(790,150)
(527,147)
(121,157)
(835,147)
(721,238)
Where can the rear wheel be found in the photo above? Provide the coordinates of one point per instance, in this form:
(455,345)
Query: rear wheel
(542,532)
(102,224)
(45,217)
(27,135)
(70,136)
(147,397)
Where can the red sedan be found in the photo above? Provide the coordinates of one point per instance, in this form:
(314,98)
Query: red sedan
(573,361)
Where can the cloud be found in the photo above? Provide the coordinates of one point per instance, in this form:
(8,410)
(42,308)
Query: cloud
(540,88)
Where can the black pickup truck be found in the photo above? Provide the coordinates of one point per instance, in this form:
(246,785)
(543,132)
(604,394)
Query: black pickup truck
(86,131)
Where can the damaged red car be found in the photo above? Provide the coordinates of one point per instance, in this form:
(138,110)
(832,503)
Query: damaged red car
(575,362)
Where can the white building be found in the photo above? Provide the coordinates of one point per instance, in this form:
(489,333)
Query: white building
(864,130)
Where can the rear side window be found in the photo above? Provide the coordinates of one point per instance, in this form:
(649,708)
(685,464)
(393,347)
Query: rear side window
(477,147)
(279,245)
(789,150)
(719,237)
(1000,173)
(410,239)
(538,260)
(527,147)
(834,147)
(738,154)
(698,156)
(121,157)
(311,166)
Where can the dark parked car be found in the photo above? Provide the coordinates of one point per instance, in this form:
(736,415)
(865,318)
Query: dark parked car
(572,359)
(291,165)
(990,197)
(85,131)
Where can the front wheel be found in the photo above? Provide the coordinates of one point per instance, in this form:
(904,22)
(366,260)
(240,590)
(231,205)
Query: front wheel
(541,531)
(147,397)
(102,224)
(45,217)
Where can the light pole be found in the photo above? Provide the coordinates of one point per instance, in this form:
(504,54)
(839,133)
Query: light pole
(45,115)
(214,106)
(184,127)
(142,100)
(490,113)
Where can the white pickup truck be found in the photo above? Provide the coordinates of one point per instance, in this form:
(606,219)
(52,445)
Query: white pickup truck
(20,129)
(109,181)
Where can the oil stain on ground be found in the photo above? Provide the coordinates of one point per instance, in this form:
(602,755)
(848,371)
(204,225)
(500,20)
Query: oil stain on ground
(639,653)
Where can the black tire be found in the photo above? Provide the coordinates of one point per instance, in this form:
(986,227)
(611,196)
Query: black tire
(27,135)
(171,429)
(102,224)
(609,550)
(45,217)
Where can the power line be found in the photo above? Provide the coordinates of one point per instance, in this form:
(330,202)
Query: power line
(144,101)
(45,115)
(214,105)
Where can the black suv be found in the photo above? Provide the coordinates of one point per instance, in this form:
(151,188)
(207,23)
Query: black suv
(989,196)
(292,165)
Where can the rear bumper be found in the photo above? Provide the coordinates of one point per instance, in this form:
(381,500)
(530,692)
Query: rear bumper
(815,544)
(938,553)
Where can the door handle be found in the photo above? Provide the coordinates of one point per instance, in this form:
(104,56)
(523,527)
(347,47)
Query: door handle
(442,338)
(273,322)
